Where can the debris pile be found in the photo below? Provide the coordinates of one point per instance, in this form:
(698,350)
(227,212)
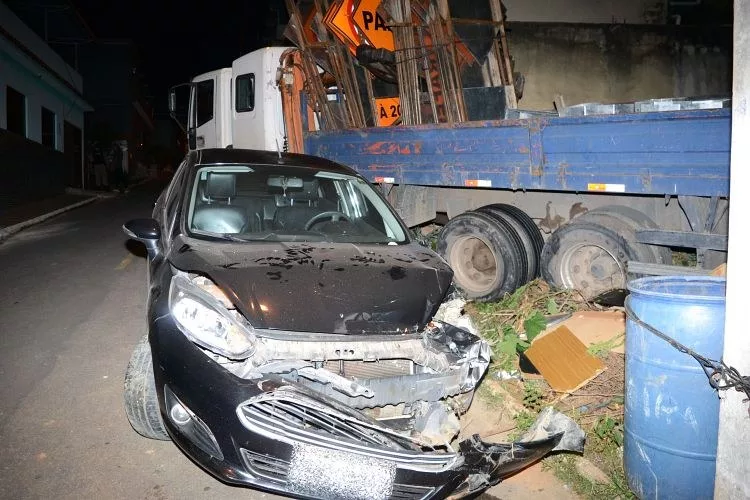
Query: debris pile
(554,348)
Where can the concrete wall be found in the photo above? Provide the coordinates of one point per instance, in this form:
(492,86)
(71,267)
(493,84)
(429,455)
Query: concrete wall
(586,11)
(29,171)
(618,63)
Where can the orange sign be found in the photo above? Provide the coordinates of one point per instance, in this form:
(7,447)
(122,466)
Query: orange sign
(338,19)
(372,25)
(388,110)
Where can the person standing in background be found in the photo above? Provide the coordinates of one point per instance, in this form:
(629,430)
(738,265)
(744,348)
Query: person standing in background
(101,180)
(117,166)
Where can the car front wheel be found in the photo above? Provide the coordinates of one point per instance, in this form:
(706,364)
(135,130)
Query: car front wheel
(141,400)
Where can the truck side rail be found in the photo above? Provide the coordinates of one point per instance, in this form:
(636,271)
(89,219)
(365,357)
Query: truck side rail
(656,153)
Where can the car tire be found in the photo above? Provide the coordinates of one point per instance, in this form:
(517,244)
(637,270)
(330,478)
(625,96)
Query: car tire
(487,256)
(590,256)
(141,400)
(527,230)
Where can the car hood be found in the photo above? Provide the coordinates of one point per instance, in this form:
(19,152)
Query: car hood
(326,288)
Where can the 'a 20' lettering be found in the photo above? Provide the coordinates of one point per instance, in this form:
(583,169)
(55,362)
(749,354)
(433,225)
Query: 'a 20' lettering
(395,111)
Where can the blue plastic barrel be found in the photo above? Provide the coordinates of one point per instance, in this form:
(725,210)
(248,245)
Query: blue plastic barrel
(671,410)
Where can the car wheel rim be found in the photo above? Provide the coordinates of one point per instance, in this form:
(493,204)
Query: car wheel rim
(475,265)
(591,269)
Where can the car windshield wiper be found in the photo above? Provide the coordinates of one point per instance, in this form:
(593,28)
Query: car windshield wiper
(228,237)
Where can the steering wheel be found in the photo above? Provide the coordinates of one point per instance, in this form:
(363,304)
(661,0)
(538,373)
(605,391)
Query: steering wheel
(333,215)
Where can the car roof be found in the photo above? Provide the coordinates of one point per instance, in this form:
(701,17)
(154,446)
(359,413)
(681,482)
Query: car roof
(251,156)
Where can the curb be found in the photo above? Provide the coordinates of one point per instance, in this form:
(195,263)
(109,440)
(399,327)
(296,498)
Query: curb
(7,232)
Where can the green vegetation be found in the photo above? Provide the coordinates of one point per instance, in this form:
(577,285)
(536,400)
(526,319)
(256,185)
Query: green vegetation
(510,324)
(601,349)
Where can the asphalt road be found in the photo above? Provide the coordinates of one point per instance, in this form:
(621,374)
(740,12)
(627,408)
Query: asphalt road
(72,307)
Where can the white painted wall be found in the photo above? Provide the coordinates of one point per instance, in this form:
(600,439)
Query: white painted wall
(586,11)
(38,84)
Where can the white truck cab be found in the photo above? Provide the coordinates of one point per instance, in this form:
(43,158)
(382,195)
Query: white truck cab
(238,106)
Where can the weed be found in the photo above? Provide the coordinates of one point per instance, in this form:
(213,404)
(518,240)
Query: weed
(489,395)
(600,349)
(524,420)
(607,432)
(686,258)
(533,396)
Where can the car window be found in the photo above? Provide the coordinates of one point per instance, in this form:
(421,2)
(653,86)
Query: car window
(204,102)
(286,203)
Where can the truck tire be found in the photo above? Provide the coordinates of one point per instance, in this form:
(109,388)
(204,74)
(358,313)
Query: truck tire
(141,400)
(589,256)
(636,220)
(527,231)
(486,254)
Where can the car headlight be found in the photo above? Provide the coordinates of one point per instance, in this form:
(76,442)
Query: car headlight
(207,322)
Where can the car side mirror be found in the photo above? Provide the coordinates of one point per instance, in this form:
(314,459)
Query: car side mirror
(147,232)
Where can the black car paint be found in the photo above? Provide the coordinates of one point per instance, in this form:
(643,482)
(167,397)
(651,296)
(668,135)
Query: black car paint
(384,273)
(323,287)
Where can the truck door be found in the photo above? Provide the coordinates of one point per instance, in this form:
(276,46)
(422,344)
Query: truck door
(256,111)
(202,121)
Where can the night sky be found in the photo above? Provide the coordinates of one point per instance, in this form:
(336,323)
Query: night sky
(178,40)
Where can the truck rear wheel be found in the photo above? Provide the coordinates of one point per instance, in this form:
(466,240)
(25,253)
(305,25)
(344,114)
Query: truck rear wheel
(588,256)
(634,220)
(486,254)
(527,231)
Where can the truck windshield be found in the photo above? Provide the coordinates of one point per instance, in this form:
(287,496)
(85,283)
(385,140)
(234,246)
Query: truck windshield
(281,203)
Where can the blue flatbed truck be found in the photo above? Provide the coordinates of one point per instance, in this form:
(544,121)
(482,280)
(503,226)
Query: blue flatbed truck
(614,193)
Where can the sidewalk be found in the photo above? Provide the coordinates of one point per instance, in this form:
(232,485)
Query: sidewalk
(22,216)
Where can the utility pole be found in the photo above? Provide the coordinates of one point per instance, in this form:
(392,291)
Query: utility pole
(733,453)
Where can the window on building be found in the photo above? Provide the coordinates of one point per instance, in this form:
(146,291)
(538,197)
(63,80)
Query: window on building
(15,104)
(245,93)
(205,102)
(49,126)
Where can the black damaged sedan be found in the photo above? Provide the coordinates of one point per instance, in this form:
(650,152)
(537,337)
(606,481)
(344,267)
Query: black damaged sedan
(292,345)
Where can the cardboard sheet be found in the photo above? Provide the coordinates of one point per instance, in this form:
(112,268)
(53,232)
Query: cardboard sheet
(563,361)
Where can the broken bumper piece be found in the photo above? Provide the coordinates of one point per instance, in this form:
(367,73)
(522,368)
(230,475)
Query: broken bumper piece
(274,434)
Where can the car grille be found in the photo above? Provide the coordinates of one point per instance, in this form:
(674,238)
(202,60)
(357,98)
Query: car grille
(292,417)
(371,369)
(298,415)
(263,466)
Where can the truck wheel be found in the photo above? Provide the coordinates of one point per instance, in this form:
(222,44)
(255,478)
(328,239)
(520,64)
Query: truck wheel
(486,255)
(587,256)
(141,400)
(635,220)
(527,231)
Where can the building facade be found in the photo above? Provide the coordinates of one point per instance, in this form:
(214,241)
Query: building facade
(41,116)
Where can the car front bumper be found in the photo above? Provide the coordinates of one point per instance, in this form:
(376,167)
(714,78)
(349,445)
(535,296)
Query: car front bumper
(276,435)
